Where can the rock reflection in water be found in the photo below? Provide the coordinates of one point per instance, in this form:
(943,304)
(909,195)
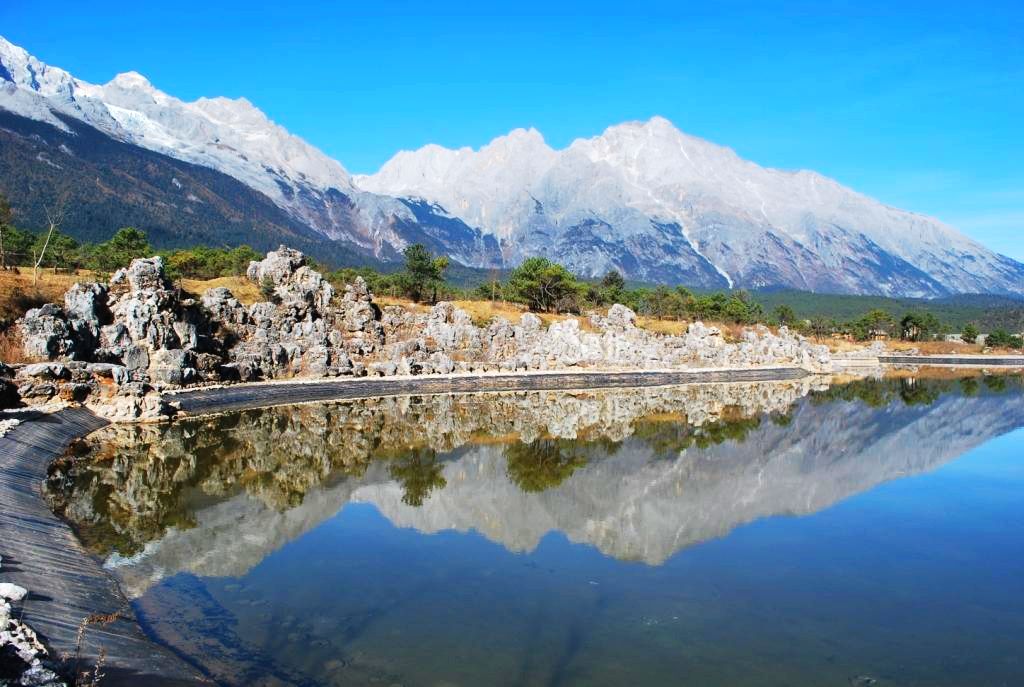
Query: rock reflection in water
(237,502)
(652,470)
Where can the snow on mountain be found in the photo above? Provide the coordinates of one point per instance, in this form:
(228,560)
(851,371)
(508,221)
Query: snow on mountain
(757,226)
(237,139)
(642,198)
(231,136)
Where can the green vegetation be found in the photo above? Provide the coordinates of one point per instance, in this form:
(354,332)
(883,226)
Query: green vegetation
(423,275)
(546,286)
(878,393)
(920,326)
(987,312)
(669,438)
(1000,338)
(419,472)
(63,253)
(542,464)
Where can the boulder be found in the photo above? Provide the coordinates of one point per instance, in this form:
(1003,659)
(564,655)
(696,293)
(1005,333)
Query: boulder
(12,593)
(45,333)
(223,307)
(142,276)
(45,371)
(172,366)
(297,286)
(87,302)
(358,311)
(621,317)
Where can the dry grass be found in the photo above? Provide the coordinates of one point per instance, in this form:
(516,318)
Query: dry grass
(244,290)
(950,373)
(670,327)
(18,294)
(11,350)
(482,312)
(841,345)
(934,347)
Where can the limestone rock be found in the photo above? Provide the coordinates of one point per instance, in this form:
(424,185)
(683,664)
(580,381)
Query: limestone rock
(621,317)
(223,307)
(142,276)
(45,333)
(296,285)
(12,592)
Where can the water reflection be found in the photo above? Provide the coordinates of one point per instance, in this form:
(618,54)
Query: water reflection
(638,474)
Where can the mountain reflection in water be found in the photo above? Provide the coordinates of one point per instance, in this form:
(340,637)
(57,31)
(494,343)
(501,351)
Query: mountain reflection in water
(637,474)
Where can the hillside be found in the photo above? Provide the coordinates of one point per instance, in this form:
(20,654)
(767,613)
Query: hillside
(105,184)
(643,198)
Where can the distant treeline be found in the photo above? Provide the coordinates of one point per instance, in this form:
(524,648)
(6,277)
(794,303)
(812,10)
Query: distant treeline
(546,286)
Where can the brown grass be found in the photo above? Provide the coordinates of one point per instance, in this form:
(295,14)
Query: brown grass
(950,373)
(841,345)
(18,294)
(670,327)
(11,351)
(244,290)
(482,312)
(934,347)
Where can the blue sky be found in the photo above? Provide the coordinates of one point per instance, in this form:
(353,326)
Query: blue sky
(919,105)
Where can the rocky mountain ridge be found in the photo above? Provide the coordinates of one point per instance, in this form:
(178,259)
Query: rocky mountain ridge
(238,140)
(651,201)
(642,198)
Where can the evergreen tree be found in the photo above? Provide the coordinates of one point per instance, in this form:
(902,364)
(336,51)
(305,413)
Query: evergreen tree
(126,245)
(542,284)
(423,273)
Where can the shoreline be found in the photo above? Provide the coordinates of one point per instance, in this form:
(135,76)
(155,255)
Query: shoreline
(226,398)
(67,584)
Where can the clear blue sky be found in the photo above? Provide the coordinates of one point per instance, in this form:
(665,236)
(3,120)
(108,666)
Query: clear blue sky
(920,105)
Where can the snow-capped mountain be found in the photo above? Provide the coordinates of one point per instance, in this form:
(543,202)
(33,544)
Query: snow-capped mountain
(648,199)
(238,140)
(642,198)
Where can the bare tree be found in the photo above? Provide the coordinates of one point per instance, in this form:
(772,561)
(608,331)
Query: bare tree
(493,276)
(5,220)
(54,218)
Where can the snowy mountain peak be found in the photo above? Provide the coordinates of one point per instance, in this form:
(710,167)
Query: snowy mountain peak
(23,70)
(645,188)
(131,81)
(231,136)
(642,197)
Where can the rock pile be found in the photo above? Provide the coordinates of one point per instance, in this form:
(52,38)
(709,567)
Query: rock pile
(23,658)
(116,347)
(445,339)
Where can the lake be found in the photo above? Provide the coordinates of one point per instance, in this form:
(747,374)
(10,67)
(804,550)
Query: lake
(765,534)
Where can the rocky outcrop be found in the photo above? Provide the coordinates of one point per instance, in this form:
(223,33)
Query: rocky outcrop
(23,658)
(446,336)
(303,331)
(117,346)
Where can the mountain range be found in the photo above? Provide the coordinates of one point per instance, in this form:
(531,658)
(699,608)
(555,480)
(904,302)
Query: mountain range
(642,198)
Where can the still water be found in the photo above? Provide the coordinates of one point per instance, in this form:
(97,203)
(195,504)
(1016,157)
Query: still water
(731,534)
